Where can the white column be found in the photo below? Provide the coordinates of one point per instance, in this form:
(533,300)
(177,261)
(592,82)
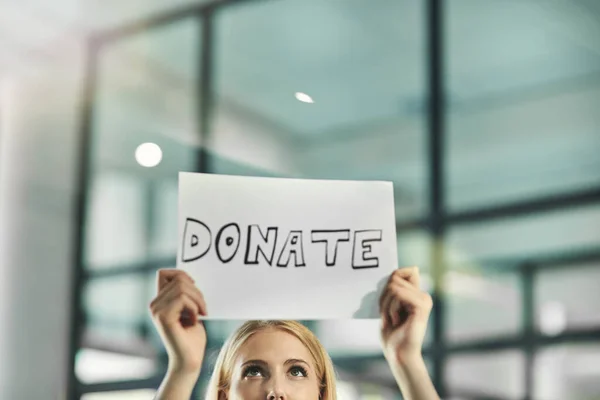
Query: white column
(38,162)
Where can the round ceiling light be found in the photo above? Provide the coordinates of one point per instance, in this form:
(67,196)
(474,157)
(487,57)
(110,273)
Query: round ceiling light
(148,155)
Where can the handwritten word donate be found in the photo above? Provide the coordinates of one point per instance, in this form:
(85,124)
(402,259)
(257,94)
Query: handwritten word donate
(262,242)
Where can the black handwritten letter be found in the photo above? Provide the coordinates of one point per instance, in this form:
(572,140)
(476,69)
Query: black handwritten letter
(331,238)
(361,249)
(257,242)
(227,242)
(292,247)
(196,240)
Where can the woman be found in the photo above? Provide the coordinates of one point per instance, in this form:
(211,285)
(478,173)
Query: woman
(283,360)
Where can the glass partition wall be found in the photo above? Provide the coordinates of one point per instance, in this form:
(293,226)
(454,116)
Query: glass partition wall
(490,136)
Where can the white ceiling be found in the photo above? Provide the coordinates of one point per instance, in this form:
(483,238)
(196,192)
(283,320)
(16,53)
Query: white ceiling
(361,63)
(365,66)
(34,31)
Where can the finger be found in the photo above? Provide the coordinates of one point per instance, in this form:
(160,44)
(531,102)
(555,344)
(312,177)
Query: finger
(168,284)
(192,291)
(415,300)
(388,297)
(410,274)
(384,320)
(173,309)
(384,292)
(166,275)
(173,288)
(182,286)
(160,296)
(394,311)
(183,308)
(393,306)
(400,284)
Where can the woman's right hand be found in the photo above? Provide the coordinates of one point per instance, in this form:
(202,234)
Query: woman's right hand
(175,311)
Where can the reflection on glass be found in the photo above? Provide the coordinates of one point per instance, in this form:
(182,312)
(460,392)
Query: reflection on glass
(325,100)
(414,249)
(146,95)
(118,337)
(481,305)
(164,229)
(350,337)
(568,298)
(543,234)
(115,221)
(102,366)
(570,371)
(137,394)
(522,113)
(346,390)
(494,374)
(117,299)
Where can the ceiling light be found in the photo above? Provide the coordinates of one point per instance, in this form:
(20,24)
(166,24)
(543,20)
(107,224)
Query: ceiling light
(148,155)
(303,97)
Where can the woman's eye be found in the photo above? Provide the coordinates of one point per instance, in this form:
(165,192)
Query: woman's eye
(252,371)
(298,371)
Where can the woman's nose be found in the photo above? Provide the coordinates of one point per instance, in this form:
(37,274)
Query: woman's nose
(276,392)
(276,395)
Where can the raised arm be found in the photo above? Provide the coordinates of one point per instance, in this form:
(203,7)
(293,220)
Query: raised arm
(175,312)
(405,311)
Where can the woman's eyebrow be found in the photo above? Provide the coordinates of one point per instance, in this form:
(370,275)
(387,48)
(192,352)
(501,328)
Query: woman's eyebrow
(260,362)
(295,361)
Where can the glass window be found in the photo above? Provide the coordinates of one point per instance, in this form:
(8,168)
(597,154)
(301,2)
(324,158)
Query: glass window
(346,390)
(350,337)
(536,235)
(115,221)
(102,15)
(570,371)
(377,388)
(111,334)
(137,394)
(494,374)
(481,305)
(146,93)
(567,298)
(93,366)
(339,98)
(379,373)
(355,337)
(164,230)
(414,249)
(119,298)
(522,114)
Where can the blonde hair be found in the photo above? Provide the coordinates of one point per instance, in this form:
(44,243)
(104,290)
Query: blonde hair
(221,378)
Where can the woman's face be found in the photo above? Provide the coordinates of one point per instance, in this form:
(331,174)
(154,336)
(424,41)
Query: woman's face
(273,365)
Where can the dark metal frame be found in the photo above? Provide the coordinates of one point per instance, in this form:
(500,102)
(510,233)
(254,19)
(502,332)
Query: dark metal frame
(438,221)
(77,317)
(436,135)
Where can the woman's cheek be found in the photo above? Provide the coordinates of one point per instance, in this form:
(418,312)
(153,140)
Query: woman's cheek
(248,390)
(304,390)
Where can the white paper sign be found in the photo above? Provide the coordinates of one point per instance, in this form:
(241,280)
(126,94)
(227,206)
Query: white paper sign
(270,248)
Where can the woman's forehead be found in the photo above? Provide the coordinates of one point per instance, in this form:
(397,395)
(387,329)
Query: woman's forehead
(273,345)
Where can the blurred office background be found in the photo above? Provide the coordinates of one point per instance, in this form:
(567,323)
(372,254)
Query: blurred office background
(484,113)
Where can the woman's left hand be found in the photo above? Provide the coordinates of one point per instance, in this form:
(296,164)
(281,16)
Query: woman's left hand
(404,310)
